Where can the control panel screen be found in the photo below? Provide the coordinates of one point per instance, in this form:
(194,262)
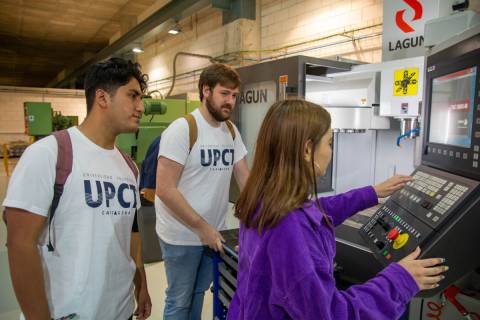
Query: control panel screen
(451,116)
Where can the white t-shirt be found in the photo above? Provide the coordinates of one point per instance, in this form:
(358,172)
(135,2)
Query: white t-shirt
(205,179)
(90,273)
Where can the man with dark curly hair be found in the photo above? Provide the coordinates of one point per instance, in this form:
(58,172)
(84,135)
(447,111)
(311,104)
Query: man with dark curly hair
(79,265)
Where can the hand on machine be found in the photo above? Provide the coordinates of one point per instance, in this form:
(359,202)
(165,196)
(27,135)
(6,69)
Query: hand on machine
(427,273)
(210,237)
(389,186)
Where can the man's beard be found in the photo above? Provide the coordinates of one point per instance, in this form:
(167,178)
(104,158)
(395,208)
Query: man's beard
(216,114)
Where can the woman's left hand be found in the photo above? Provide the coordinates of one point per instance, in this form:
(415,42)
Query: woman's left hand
(391,185)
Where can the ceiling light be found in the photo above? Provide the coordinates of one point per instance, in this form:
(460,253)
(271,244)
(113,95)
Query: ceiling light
(137,50)
(176,29)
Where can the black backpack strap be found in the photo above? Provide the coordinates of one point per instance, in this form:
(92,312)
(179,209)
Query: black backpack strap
(63,169)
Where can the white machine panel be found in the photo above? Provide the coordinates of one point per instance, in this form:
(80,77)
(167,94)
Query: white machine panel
(401,88)
(351,97)
(254,102)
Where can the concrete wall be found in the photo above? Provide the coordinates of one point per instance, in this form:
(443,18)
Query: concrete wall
(12,121)
(289,22)
(320,28)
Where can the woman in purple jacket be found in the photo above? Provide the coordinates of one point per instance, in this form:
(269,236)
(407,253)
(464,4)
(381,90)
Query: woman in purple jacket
(287,241)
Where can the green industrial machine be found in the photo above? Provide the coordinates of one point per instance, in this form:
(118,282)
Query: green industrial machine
(38,118)
(159,113)
(41,120)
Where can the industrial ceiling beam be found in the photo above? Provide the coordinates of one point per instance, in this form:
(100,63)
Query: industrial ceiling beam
(235,9)
(171,10)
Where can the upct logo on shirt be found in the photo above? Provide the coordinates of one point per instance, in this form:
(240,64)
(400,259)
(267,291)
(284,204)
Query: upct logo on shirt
(218,159)
(116,195)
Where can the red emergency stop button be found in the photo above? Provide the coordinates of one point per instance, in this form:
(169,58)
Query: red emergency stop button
(393,234)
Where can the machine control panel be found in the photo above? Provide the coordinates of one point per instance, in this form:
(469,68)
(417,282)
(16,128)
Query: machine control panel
(412,215)
(432,198)
(392,232)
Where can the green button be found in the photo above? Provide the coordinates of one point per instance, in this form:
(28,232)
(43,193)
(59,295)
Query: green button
(385,252)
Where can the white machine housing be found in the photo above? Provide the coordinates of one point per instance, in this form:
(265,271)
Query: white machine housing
(393,103)
(351,98)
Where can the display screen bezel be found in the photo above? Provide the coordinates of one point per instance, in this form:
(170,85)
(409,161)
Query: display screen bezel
(471,110)
(454,159)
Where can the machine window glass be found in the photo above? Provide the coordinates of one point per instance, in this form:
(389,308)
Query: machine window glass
(451,117)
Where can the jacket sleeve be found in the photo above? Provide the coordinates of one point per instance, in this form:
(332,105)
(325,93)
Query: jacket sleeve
(342,206)
(384,297)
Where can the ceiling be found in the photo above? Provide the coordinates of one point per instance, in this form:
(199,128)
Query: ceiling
(40,38)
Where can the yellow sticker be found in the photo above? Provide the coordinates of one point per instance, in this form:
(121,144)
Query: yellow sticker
(406,82)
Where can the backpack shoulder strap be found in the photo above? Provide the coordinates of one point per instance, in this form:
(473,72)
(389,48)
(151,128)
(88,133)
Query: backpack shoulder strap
(192,130)
(130,163)
(230,128)
(63,169)
(64,156)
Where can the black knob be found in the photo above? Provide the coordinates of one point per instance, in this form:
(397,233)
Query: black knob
(380,245)
(384,224)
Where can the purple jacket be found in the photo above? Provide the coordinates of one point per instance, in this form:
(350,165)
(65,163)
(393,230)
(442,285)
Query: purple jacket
(287,272)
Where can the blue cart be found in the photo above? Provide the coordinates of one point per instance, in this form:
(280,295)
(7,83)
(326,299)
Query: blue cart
(225,266)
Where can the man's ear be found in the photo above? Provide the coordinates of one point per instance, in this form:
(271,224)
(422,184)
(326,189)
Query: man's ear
(102,98)
(307,150)
(206,91)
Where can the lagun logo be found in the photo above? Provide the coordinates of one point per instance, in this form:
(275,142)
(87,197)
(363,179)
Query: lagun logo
(399,16)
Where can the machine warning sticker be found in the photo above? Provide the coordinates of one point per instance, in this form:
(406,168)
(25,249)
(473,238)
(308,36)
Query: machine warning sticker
(406,82)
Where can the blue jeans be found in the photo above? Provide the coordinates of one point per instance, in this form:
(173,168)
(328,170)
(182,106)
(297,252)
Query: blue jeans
(189,274)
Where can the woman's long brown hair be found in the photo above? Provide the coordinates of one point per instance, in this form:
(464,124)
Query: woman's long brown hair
(281,180)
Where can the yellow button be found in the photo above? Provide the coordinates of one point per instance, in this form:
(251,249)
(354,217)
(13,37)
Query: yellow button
(401,241)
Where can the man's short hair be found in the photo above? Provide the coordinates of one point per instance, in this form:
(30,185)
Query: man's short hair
(218,74)
(109,75)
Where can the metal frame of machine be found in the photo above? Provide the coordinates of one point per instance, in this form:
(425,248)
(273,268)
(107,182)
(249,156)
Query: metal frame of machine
(265,83)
